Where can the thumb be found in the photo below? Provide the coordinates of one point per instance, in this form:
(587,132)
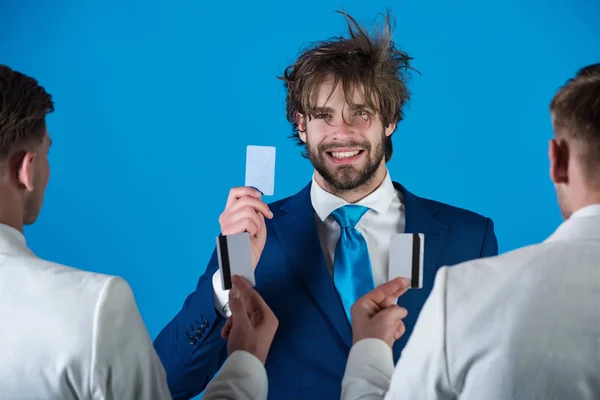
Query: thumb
(392,313)
(237,306)
(400,331)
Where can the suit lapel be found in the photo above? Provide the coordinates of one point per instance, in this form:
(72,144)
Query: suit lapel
(295,228)
(420,219)
(297,232)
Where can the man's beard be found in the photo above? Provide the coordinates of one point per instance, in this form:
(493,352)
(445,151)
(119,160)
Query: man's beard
(343,178)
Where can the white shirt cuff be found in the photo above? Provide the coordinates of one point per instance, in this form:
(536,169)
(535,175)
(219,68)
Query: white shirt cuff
(221,296)
(369,370)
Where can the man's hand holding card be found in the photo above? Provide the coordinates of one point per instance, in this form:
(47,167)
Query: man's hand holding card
(243,229)
(246,212)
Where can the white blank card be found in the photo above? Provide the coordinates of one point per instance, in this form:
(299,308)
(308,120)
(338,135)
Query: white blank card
(260,168)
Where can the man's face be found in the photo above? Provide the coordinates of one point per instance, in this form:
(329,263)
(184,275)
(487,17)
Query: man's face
(41,168)
(345,144)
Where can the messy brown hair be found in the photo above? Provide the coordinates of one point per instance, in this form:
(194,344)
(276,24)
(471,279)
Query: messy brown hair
(576,116)
(367,62)
(24,105)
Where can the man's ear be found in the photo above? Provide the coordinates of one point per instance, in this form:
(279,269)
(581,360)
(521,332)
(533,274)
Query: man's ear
(23,163)
(301,121)
(558,154)
(390,129)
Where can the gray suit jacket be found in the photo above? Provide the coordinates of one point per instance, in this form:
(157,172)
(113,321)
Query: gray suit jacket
(69,334)
(524,325)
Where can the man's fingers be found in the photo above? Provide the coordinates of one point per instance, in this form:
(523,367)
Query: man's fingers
(400,292)
(227,328)
(400,331)
(393,298)
(237,305)
(382,292)
(240,215)
(243,225)
(392,313)
(263,225)
(255,304)
(248,201)
(238,192)
(241,283)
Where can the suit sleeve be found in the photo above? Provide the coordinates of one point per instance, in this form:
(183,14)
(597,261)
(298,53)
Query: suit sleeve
(190,346)
(243,377)
(490,243)
(124,363)
(421,371)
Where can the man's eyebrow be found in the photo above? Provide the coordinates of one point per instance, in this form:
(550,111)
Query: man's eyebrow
(360,106)
(323,110)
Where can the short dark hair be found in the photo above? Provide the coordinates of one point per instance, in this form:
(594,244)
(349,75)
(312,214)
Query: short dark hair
(24,105)
(576,115)
(370,62)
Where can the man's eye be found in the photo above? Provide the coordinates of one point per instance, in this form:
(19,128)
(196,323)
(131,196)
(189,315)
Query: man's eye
(323,116)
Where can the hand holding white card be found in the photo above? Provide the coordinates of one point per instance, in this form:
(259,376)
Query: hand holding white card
(260,168)
(406,258)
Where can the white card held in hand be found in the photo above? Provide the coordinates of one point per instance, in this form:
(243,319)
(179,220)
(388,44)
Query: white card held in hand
(260,168)
(406,258)
(235,258)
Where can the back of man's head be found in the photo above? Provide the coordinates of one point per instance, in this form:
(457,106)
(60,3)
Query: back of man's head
(575,113)
(24,168)
(23,108)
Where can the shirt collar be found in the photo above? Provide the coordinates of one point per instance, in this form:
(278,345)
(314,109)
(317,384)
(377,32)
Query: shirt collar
(588,211)
(11,239)
(324,203)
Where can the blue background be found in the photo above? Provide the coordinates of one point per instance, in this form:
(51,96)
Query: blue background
(156,102)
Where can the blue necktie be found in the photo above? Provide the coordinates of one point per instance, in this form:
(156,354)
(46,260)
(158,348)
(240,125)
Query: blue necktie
(352,273)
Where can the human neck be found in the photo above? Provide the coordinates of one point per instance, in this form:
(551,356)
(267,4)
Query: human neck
(589,198)
(11,212)
(359,193)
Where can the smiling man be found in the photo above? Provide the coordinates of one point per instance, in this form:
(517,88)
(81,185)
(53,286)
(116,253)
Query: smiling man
(318,251)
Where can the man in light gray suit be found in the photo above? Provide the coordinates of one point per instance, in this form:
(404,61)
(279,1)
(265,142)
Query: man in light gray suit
(64,333)
(523,325)
(68,334)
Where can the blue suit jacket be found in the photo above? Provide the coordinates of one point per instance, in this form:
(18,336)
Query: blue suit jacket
(310,350)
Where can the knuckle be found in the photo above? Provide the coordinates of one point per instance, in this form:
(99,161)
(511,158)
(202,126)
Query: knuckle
(242,212)
(249,210)
(249,222)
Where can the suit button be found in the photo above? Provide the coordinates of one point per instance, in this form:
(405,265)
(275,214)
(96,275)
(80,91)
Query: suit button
(198,333)
(204,324)
(192,340)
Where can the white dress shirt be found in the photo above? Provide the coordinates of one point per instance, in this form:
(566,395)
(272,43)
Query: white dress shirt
(522,326)
(386,217)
